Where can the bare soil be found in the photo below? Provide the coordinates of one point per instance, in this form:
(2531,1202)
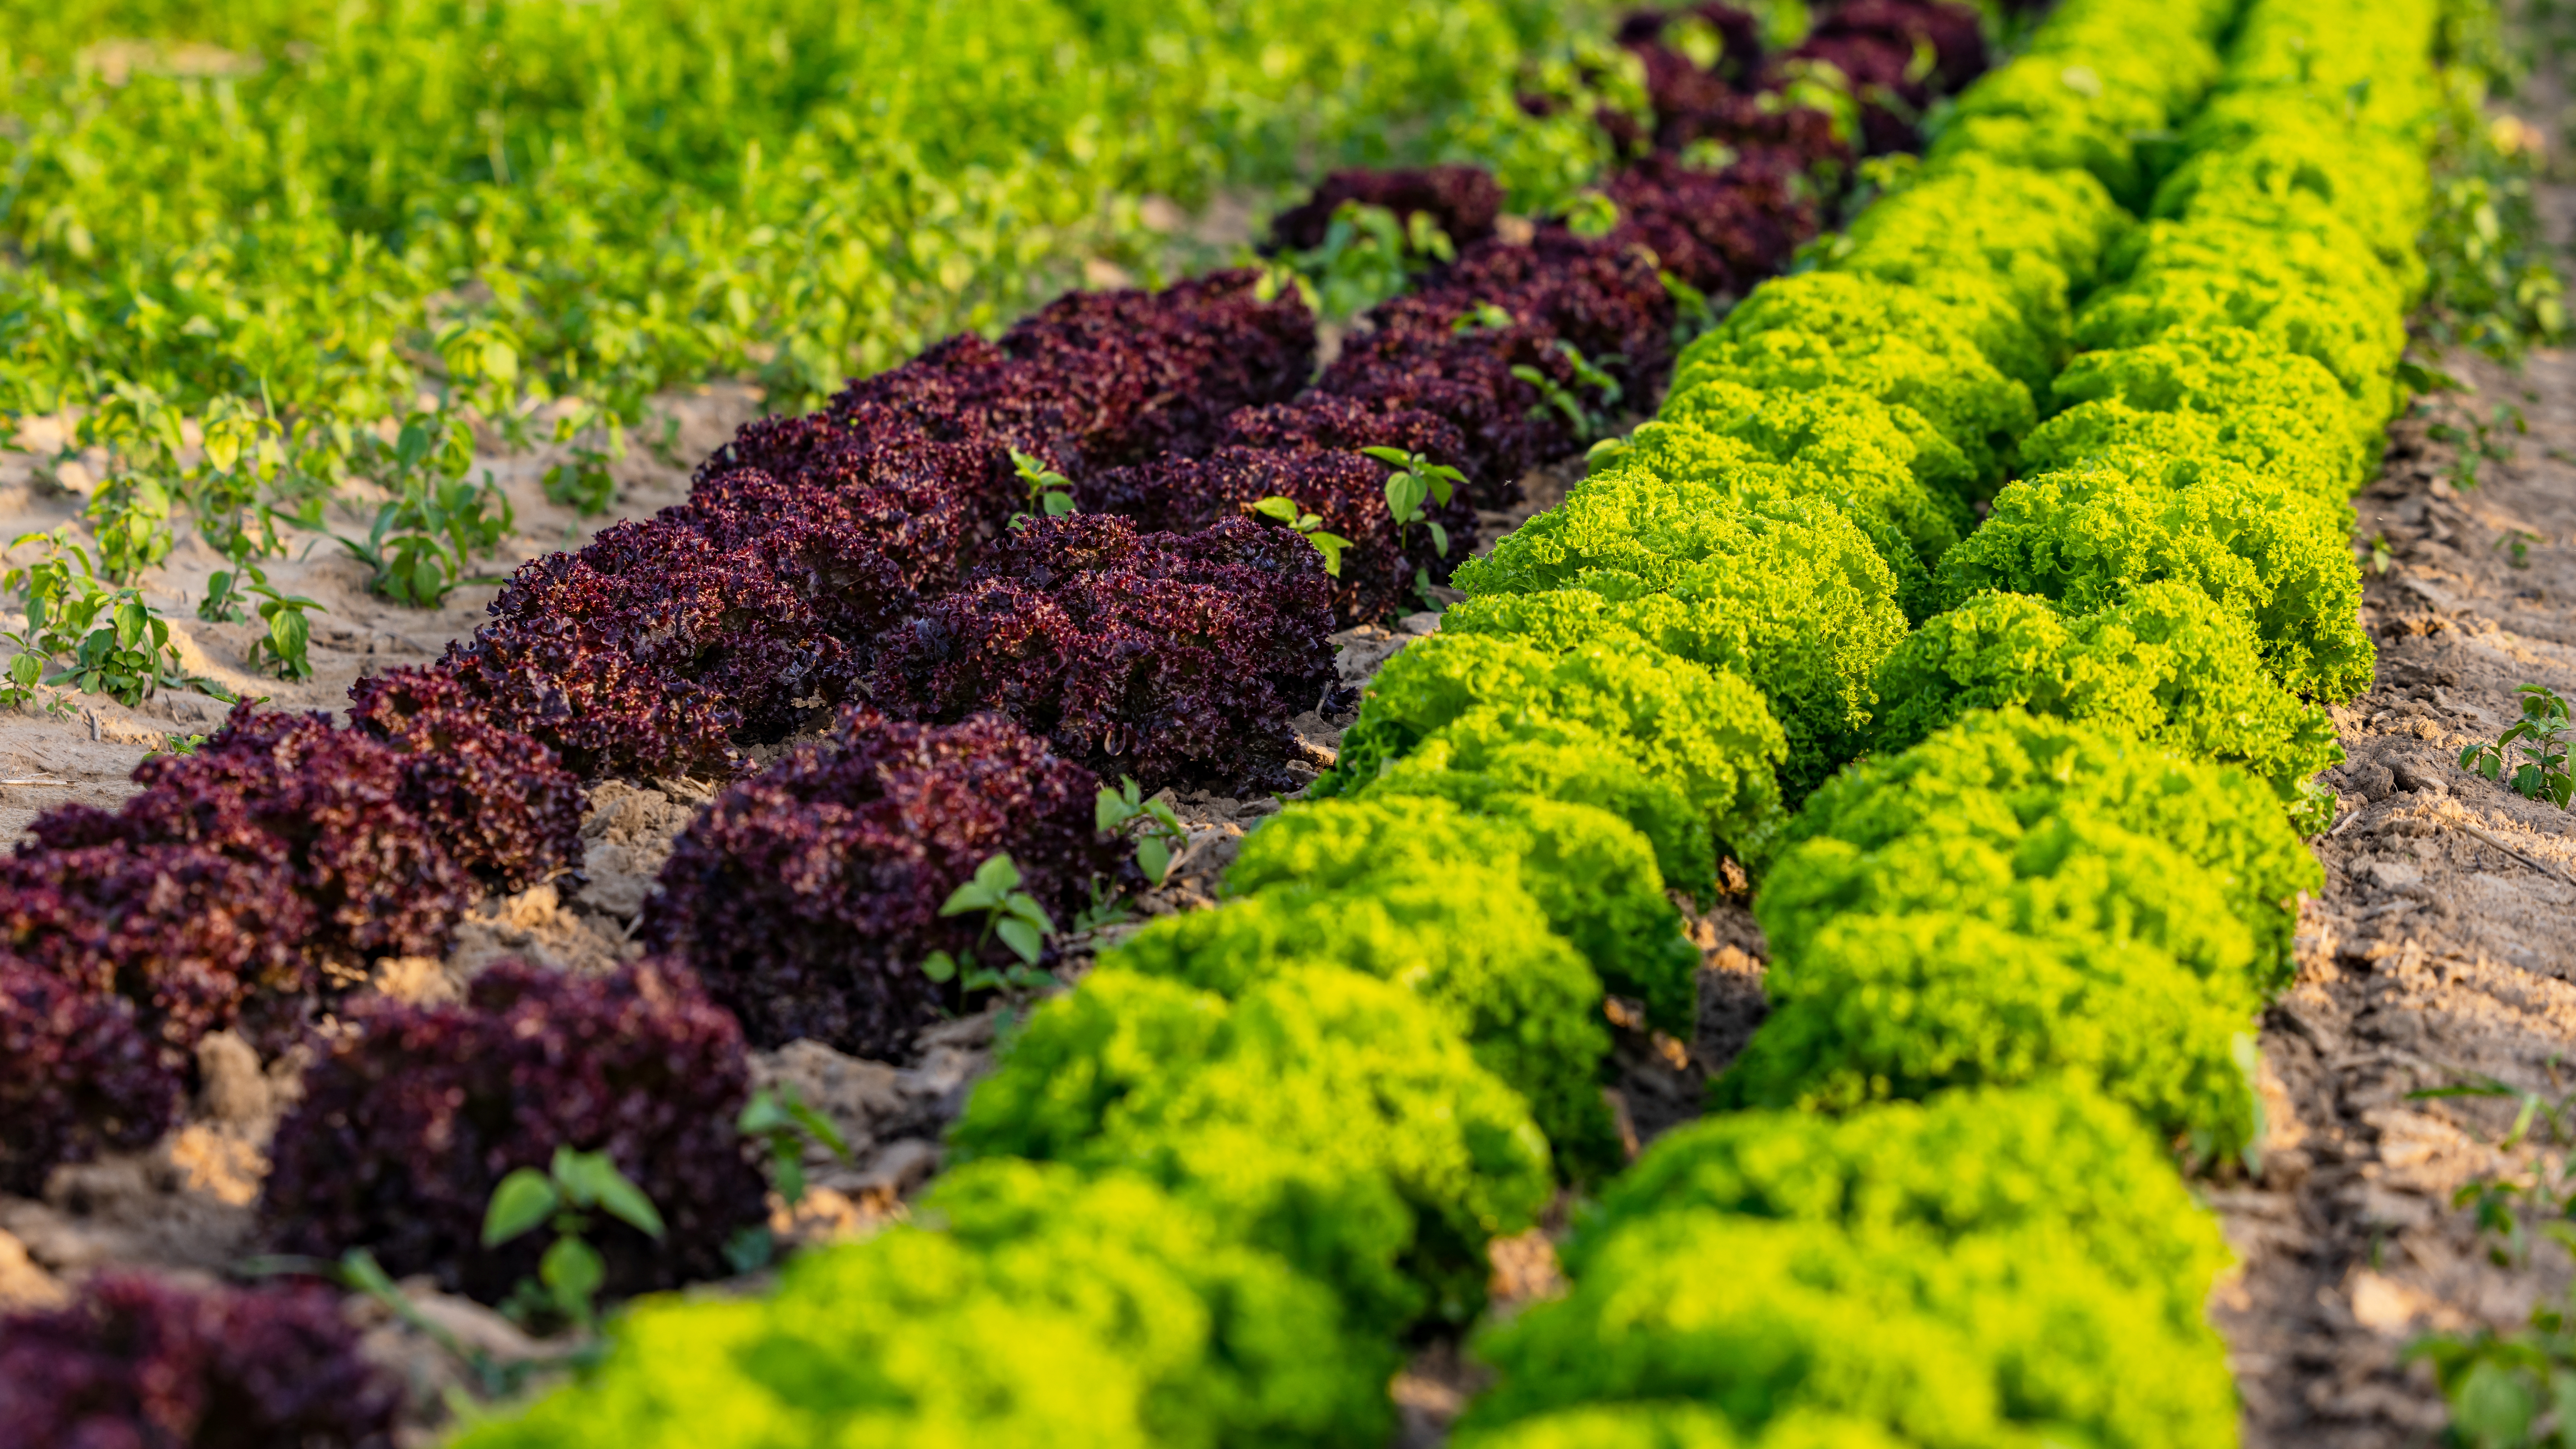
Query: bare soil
(82,747)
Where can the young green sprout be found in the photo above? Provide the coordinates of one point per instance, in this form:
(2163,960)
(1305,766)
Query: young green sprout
(1050,492)
(290,636)
(596,439)
(1368,254)
(1592,215)
(780,1120)
(1159,836)
(2500,1384)
(1693,313)
(2480,442)
(118,645)
(571,1272)
(1554,394)
(2540,738)
(1415,480)
(422,545)
(1010,914)
(1483,317)
(1330,545)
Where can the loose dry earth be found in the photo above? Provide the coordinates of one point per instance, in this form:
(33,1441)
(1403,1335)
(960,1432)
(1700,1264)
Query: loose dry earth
(83,748)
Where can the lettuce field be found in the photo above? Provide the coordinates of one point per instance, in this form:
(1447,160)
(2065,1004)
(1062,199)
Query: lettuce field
(1496,723)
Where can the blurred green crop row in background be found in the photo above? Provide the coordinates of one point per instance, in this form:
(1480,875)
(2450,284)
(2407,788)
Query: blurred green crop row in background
(254,250)
(325,205)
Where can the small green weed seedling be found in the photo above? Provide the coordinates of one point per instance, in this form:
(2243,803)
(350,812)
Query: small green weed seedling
(1553,394)
(481,361)
(1010,914)
(780,1119)
(1368,254)
(1050,492)
(358,1271)
(118,646)
(226,593)
(2540,738)
(1330,545)
(152,473)
(2480,442)
(289,639)
(2381,555)
(2509,1390)
(1693,313)
(570,1274)
(425,537)
(289,635)
(1107,908)
(2424,380)
(2500,1205)
(1417,480)
(1159,836)
(2496,1204)
(2517,544)
(2495,284)
(2312,812)
(1592,215)
(2556,1119)
(2514,1390)
(595,438)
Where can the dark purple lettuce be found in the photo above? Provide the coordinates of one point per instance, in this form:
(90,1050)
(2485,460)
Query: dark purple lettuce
(1720,231)
(1603,298)
(652,652)
(290,793)
(1346,490)
(408,1124)
(1163,370)
(1874,44)
(191,937)
(566,681)
(1321,422)
(499,802)
(808,896)
(77,1074)
(138,1364)
(1095,379)
(1168,657)
(1466,379)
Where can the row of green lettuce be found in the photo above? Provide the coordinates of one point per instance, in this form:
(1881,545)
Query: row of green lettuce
(2048,902)
(1208,1197)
